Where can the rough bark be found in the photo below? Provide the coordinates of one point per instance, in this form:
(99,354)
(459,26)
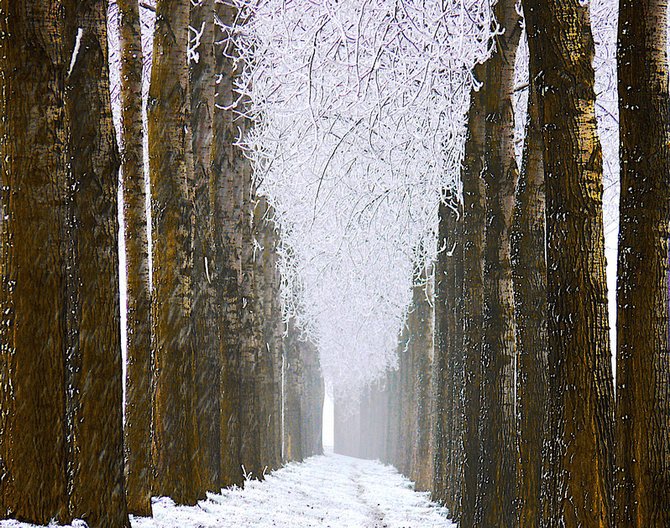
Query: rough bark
(643,360)
(442,376)
(421,337)
(580,465)
(473,296)
(169,164)
(497,419)
(293,380)
(530,295)
(267,292)
(227,172)
(311,403)
(33,67)
(138,300)
(98,495)
(205,273)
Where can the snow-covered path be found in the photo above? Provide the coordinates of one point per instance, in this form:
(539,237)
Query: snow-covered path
(325,491)
(331,491)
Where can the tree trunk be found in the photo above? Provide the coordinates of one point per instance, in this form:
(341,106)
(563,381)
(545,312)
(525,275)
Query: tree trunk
(138,365)
(497,420)
(580,470)
(443,378)
(643,364)
(267,292)
(169,165)
(98,495)
(311,404)
(421,338)
(228,172)
(293,379)
(530,295)
(33,67)
(205,274)
(473,295)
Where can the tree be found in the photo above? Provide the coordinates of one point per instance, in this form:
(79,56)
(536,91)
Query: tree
(580,458)
(267,284)
(33,64)
(138,365)
(530,303)
(228,164)
(206,274)
(169,165)
(643,370)
(473,296)
(497,491)
(98,494)
(421,338)
(293,388)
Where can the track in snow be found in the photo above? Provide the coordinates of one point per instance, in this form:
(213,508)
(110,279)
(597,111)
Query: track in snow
(331,491)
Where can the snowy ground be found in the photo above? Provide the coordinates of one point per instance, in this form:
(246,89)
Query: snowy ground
(330,491)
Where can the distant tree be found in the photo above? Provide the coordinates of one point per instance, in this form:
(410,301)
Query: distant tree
(530,302)
(267,284)
(580,449)
(293,381)
(138,410)
(446,378)
(34,58)
(643,366)
(421,345)
(170,161)
(311,401)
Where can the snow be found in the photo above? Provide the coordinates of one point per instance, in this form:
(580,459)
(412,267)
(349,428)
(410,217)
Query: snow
(330,491)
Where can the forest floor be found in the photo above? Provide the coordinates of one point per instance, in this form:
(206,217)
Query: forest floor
(331,491)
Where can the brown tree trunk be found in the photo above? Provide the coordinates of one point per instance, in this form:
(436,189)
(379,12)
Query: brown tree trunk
(393,422)
(229,166)
(169,165)
(580,469)
(33,139)
(643,364)
(530,295)
(497,419)
(311,403)
(473,296)
(138,299)
(267,292)
(293,380)
(205,274)
(250,391)
(442,377)
(455,468)
(421,342)
(98,495)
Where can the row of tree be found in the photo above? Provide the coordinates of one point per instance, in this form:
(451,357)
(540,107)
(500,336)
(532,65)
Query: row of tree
(525,426)
(214,390)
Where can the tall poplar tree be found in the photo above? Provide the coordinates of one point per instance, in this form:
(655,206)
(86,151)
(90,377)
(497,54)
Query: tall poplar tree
(138,408)
(170,160)
(643,361)
(530,296)
(228,165)
(34,53)
(579,472)
(98,495)
(497,491)
(205,314)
